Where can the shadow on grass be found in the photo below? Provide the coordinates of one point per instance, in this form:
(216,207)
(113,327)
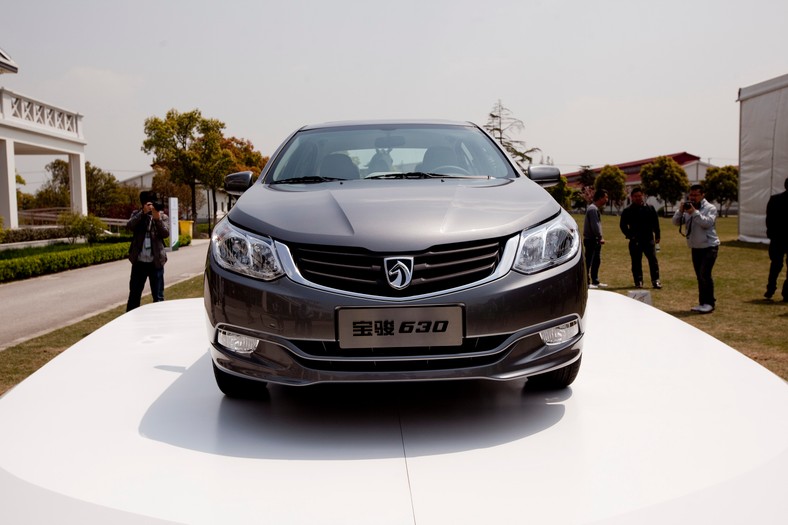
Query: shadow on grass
(683,314)
(758,246)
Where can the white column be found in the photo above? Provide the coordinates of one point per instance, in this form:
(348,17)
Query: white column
(78,183)
(8,205)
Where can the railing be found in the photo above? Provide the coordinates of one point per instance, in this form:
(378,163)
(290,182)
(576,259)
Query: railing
(49,216)
(19,109)
(40,216)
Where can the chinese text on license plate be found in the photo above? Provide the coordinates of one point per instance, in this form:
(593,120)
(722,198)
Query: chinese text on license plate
(404,326)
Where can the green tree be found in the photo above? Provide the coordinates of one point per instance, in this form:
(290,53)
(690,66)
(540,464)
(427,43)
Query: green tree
(501,125)
(24,201)
(103,191)
(722,186)
(664,179)
(55,192)
(612,179)
(587,176)
(562,193)
(187,146)
(166,188)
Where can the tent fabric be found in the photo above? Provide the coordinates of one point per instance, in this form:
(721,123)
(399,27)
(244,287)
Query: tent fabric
(763,153)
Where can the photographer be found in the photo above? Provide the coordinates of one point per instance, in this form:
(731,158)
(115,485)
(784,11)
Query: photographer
(147,253)
(700,218)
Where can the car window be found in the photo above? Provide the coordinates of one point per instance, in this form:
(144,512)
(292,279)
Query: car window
(358,152)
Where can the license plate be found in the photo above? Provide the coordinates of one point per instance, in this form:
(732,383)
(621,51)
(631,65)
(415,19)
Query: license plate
(400,327)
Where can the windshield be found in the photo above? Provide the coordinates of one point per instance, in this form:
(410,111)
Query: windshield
(388,151)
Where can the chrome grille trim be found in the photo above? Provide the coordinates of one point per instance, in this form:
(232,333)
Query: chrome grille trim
(502,268)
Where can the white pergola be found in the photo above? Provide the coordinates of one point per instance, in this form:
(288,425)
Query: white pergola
(32,127)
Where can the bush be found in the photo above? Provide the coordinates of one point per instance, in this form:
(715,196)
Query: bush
(77,225)
(33,234)
(35,265)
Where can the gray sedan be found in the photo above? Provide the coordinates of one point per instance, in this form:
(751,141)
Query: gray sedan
(394,251)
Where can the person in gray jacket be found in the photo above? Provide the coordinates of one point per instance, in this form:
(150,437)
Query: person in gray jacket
(593,239)
(699,217)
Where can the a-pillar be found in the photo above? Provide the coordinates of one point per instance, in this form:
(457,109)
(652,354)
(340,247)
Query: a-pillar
(8,205)
(77,181)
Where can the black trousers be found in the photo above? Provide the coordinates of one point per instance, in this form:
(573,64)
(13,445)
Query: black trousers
(777,252)
(703,260)
(637,249)
(141,272)
(593,255)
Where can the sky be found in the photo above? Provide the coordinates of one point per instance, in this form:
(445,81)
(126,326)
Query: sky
(595,82)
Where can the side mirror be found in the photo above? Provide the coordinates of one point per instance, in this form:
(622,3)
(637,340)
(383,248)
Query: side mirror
(544,175)
(237,183)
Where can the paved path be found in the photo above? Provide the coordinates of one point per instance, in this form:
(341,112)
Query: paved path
(34,307)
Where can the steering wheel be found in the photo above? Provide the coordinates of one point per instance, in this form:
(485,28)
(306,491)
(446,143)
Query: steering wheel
(448,169)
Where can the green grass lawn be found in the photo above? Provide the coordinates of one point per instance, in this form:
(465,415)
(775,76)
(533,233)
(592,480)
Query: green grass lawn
(743,319)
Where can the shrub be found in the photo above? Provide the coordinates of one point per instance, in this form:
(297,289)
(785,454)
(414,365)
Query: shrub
(35,265)
(77,225)
(33,234)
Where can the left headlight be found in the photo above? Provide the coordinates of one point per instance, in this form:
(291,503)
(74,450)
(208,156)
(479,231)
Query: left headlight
(245,253)
(547,245)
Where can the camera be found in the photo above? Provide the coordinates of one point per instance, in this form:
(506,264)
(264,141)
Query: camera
(687,205)
(153,198)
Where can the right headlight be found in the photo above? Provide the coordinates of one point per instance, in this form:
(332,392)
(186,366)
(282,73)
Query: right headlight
(245,253)
(547,245)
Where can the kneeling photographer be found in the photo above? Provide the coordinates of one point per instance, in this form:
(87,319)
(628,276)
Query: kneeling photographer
(699,217)
(147,253)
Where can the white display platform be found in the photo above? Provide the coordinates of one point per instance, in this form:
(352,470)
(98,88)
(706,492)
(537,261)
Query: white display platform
(663,425)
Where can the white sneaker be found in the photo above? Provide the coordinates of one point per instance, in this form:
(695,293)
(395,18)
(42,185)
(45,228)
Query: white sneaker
(696,308)
(602,285)
(593,286)
(705,309)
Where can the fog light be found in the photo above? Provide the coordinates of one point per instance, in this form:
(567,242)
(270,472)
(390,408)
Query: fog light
(238,343)
(560,334)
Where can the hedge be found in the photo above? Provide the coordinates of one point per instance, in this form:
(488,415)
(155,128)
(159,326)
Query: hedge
(46,263)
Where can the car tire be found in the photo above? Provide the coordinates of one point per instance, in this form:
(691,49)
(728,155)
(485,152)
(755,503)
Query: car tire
(556,379)
(238,387)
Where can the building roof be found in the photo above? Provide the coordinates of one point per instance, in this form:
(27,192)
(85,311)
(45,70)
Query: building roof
(7,65)
(632,169)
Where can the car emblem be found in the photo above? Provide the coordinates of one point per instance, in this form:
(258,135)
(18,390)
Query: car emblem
(399,271)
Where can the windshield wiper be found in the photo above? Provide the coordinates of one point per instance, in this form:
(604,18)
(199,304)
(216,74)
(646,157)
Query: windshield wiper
(399,175)
(424,175)
(305,180)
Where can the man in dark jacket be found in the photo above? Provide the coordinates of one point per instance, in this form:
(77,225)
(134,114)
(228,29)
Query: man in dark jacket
(777,232)
(147,253)
(640,224)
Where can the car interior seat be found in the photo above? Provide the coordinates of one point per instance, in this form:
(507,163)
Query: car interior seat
(338,166)
(437,156)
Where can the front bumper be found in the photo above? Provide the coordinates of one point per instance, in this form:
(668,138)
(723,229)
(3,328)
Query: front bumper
(296,331)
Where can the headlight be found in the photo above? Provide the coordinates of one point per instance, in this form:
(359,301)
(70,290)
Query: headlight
(547,245)
(244,253)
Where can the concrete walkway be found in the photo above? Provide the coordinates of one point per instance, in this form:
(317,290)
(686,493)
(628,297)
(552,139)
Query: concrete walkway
(36,306)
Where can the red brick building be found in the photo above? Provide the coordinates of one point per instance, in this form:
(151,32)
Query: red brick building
(693,166)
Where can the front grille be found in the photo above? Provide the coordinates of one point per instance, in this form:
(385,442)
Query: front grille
(361,271)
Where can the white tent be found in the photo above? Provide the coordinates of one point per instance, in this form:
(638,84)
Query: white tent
(763,152)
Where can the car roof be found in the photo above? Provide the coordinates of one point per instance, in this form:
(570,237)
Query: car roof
(389,122)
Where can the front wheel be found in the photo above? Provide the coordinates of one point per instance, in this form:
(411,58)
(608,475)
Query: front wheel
(238,387)
(555,380)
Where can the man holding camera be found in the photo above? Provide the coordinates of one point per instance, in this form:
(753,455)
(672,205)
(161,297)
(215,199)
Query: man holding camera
(700,218)
(147,253)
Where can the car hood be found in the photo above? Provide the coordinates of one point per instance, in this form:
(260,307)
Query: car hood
(393,215)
